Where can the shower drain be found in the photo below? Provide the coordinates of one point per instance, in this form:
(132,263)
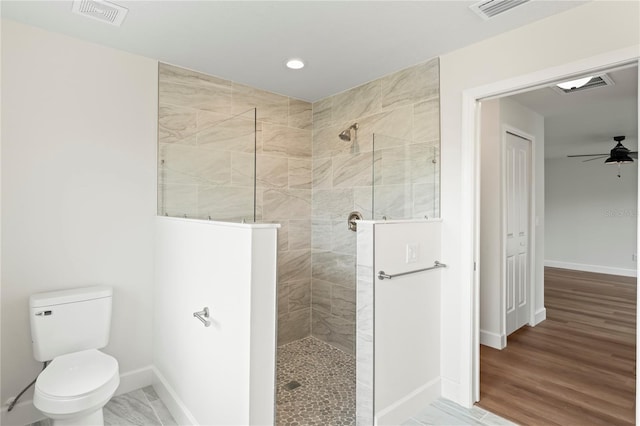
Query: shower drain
(292,385)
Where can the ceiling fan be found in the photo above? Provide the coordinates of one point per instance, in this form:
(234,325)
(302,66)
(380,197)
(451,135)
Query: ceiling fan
(618,155)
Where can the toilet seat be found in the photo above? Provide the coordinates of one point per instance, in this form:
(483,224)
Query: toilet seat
(76,382)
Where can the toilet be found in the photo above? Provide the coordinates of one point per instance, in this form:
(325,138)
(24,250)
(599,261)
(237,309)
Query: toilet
(67,328)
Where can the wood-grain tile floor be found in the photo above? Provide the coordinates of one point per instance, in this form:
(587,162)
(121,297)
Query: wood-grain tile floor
(575,368)
(141,407)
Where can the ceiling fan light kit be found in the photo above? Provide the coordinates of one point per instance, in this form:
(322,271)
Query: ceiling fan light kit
(618,155)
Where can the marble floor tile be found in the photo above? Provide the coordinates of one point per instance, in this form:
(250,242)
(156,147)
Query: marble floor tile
(141,407)
(444,412)
(162,412)
(150,393)
(132,408)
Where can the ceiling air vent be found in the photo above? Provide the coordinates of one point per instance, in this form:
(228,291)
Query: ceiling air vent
(100,10)
(596,81)
(490,8)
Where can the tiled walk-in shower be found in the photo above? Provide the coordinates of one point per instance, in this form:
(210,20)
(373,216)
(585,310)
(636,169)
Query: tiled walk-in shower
(327,384)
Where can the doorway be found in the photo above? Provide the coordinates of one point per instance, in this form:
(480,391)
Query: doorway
(472,97)
(589,317)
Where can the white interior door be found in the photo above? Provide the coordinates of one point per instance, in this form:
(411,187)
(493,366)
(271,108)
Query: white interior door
(517,199)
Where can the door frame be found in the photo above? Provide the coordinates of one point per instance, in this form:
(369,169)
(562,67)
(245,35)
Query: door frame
(505,128)
(470,189)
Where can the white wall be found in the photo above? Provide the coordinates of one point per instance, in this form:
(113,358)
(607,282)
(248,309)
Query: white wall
(78,188)
(223,374)
(498,116)
(510,59)
(591,216)
(407,320)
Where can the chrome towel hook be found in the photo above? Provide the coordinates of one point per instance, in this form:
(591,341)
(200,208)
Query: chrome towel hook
(204,313)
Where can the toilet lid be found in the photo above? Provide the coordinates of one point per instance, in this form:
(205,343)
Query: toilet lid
(77,373)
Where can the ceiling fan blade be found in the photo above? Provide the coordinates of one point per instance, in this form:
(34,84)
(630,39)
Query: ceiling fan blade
(595,158)
(587,155)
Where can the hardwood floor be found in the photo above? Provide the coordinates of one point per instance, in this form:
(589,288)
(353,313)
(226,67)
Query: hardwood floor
(575,368)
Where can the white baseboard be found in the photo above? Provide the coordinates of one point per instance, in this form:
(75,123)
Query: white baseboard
(539,316)
(168,395)
(24,413)
(450,389)
(591,268)
(401,410)
(493,340)
(135,379)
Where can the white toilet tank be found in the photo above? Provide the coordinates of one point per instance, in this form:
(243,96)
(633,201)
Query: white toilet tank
(68,321)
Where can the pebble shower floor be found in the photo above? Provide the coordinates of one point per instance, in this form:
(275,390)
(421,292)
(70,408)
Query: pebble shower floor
(327,379)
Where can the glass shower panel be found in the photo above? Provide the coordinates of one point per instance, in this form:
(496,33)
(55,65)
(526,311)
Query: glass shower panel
(211,174)
(406,179)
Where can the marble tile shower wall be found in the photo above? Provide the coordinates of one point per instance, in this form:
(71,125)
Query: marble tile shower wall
(205,135)
(403,111)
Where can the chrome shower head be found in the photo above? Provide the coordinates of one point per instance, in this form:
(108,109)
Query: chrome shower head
(345,135)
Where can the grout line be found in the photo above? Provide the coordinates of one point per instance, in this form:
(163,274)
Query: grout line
(152,408)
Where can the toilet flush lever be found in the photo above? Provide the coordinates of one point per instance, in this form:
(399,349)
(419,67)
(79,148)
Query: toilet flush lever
(204,313)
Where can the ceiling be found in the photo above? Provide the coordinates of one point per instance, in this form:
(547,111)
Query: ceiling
(344,43)
(586,122)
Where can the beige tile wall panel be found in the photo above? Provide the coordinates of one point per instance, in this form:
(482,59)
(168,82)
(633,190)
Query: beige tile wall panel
(332,203)
(299,234)
(333,330)
(176,124)
(237,205)
(294,325)
(242,168)
(272,172)
(321,234)
(299,294)
(321,295)
(234,134)
(343,303)
(300,173)
(300,114)
(357,102)
(294,265)
(272,108)
(343,240)
(322,173)
(322,113)
(426,119)
(352,170)
(402,111)
(286,141)
(189,164)
(334,267)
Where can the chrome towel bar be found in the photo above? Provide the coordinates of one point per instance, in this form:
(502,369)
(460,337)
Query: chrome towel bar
(382,275)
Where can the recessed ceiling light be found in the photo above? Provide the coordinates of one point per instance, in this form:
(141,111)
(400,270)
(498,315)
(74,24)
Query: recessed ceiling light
(574,84)
(295,64)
